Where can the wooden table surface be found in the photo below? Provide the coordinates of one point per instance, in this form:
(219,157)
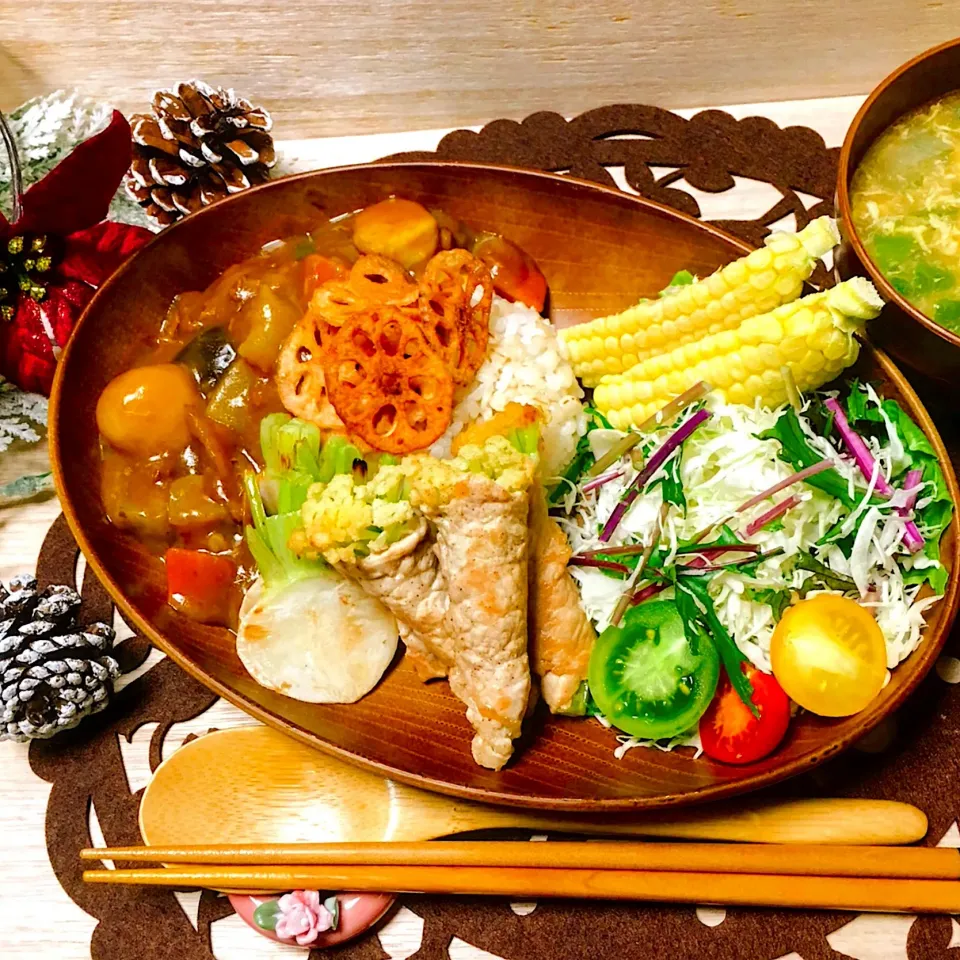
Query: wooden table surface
(335,67)
(37,919)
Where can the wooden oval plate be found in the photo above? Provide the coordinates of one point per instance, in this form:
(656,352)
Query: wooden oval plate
(600,250)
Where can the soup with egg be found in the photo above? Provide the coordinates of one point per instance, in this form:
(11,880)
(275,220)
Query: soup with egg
(905,199)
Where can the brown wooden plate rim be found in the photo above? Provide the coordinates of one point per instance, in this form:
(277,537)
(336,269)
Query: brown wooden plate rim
(929,649)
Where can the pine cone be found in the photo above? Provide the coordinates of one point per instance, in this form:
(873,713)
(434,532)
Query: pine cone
(52,673)
(199,145)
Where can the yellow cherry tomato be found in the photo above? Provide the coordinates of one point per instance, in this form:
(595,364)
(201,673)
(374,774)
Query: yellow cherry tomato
(144,411)
(829,655)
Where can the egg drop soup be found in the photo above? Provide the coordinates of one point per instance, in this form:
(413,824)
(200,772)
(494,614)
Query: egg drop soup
(906,208)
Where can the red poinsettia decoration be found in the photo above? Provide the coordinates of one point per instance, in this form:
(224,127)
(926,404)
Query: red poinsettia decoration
(58,250)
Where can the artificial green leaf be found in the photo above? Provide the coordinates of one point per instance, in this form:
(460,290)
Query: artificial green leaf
(332,904)
(265,916)
(20,415)
(25,488)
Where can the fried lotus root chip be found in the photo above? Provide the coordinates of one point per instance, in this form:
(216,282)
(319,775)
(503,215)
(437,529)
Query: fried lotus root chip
(374,282)
(455,296)
(387,384)
(300,378)
(334,303)
(382,281)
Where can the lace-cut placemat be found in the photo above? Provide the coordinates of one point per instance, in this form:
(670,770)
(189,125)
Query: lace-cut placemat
(914,757)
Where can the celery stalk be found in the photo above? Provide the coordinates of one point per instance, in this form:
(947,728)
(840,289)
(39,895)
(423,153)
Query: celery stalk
(289,444)
(525,439)
(292,489)
(308,453)
(268,541)
(345,457)
(271,570)
(328,458)
(252,490)
(398,531)
(278,532)
(269,427)
(336,457)
(298,444)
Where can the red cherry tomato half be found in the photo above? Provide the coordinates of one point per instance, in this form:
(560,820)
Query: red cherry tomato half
(731,733)
(515,273)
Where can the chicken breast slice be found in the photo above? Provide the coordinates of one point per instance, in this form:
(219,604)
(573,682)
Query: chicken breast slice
(561,635)
(482,545)
(407,579)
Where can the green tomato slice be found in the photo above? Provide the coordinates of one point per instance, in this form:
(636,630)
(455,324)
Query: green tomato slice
(648,678)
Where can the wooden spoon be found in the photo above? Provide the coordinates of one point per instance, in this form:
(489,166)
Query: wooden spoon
(255,785)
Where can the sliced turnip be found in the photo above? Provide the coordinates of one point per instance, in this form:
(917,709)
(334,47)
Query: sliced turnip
(321,639)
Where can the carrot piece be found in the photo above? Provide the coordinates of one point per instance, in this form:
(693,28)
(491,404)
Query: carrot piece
(200,584)
(317,270)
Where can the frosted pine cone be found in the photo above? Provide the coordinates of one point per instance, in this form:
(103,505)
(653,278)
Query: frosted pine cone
(199,145)
(53,673)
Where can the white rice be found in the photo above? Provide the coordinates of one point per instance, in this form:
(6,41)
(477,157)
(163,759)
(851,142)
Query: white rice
(525,364)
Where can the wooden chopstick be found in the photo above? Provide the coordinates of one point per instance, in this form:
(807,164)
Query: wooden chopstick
(759,890)
(724,858)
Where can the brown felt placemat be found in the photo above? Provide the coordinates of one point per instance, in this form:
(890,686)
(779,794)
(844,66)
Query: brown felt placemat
(919,763)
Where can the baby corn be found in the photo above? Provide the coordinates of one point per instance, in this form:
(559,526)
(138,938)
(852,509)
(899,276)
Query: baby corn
(813,337)
(752,285)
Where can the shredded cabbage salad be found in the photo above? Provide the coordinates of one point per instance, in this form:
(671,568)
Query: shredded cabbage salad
(839,536)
